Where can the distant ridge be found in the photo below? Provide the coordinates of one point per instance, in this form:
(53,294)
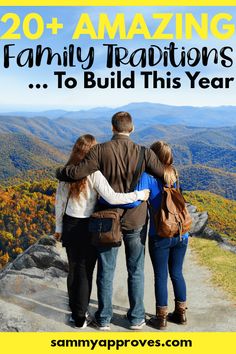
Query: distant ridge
(148,112)
(21,152)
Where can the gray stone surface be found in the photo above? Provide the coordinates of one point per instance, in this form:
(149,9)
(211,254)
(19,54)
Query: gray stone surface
(54,272)
(43,260)
(199,220)
(24,261)
(33,272)
(47,241)
(211,235)
(43,248)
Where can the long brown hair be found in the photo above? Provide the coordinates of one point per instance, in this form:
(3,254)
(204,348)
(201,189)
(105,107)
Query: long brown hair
(165,155)
(82,146)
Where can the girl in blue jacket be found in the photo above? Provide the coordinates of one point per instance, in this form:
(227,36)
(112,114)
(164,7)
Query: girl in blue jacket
(167,254)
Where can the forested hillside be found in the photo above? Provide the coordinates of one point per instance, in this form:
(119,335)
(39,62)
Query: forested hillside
(21,152)
(27,213)
(197,177)
(30,176)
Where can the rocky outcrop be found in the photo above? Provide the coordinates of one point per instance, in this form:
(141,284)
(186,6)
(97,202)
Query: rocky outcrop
(200,229)
(33,288)
(199,220)
(45,259)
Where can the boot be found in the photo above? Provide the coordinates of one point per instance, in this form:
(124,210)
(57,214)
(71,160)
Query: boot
(159,321)
(179,314)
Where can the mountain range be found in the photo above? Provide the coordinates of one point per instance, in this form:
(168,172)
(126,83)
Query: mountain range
(204,146)
(145,113)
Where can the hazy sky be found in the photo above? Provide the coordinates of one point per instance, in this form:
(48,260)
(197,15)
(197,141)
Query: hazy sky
(15,94)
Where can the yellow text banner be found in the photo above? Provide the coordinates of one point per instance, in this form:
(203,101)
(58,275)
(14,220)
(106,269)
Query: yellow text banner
(118,342)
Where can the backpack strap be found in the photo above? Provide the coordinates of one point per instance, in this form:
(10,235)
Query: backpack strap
(135,176)
(177,178)
(137,170)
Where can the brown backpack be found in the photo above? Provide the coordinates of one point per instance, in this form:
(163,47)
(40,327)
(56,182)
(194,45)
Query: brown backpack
(172,218)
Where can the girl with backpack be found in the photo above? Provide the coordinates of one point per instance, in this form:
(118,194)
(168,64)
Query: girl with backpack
(167,253)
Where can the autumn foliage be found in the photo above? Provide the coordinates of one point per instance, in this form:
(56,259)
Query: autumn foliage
(26,213)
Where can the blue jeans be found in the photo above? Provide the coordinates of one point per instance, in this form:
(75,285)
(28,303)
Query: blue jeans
(168,254)
(134,241)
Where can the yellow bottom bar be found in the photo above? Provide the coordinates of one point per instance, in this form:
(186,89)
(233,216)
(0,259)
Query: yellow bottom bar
(114,342)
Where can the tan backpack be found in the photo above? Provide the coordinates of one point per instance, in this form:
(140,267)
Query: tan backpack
(172,218)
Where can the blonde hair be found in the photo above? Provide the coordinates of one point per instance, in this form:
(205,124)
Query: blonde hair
(165,155)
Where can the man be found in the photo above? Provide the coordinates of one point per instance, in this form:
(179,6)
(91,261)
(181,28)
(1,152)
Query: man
(117,160)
